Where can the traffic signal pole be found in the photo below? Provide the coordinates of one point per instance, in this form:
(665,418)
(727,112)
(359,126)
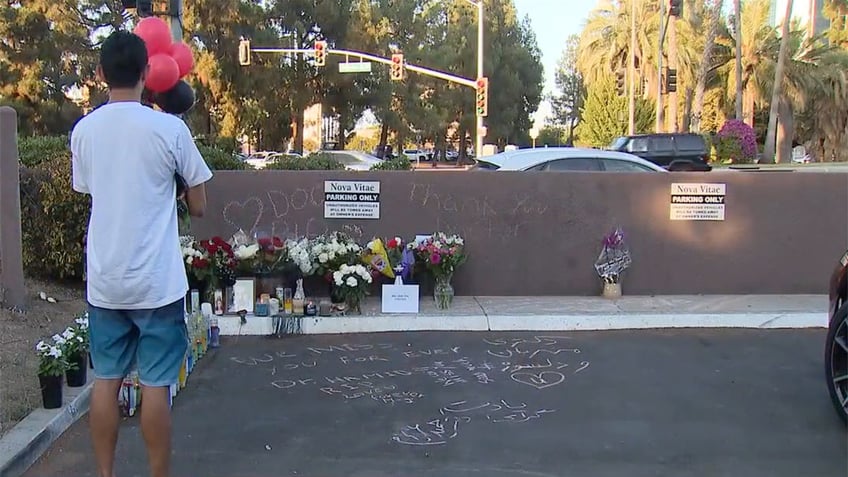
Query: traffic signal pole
(175,19)
(478,146)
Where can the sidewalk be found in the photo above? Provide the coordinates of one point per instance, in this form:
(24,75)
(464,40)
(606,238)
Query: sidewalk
(470,313)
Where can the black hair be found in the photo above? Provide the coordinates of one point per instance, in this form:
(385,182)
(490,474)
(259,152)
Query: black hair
(123,58)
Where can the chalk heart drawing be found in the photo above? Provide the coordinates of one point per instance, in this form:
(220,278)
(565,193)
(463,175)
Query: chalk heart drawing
(239,214)
(542,380)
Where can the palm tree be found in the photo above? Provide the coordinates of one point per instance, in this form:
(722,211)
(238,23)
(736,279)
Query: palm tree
(737,32)
(706,63)
(759,44)
(777,90)
(605,41)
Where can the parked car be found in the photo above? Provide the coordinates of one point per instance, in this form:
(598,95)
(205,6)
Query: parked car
(674,151)
(354,160)
(417,155)
(567,159)
(836,344)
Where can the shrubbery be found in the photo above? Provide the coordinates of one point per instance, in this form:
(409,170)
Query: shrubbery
(312,162)
(33,150)
(736,142)
(54,218)
(399,164)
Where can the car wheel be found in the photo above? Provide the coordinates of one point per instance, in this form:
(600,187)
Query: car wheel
(836,361)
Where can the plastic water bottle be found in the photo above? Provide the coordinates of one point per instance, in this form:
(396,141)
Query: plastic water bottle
(215,334)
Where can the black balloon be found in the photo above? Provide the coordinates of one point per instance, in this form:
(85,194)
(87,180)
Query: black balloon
(177,100)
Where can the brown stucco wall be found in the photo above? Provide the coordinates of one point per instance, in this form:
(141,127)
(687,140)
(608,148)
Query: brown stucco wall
(539,233)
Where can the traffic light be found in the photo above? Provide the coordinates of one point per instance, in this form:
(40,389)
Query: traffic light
(671,80)
(396,70)
(244,52)
(320,53)
(675,7)
(620,82)
(482,97)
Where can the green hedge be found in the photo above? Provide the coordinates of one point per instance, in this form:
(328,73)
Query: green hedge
(35,149)
(54,218)
(399,164)
(312,162)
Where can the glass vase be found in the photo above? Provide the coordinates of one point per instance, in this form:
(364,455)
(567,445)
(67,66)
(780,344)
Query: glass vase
(443,292)
(354,304)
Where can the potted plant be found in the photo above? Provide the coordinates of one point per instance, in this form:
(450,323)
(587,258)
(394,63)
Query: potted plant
(74,349)
(351,284)
(51,369)
(441,255)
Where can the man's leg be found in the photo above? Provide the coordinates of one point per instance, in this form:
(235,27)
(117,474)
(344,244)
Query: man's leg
(113,340)
(104,419)
(162,346)
(156,428)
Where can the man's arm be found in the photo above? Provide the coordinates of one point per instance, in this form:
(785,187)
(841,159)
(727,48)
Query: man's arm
(79,173)
(194,171)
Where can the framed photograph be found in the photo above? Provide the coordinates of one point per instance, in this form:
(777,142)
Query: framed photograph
(244,294)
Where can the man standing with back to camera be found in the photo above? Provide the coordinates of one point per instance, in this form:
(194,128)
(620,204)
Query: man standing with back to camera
(126,155)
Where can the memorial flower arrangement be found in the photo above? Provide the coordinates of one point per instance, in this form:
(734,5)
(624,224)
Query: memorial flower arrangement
(221,266)
(196,262)
(330,252)
(613,260)
(270,256)
(441,255)
(394,249)
(300,253)
(351,283)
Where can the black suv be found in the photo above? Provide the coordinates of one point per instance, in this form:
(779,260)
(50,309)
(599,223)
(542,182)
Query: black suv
(674,151)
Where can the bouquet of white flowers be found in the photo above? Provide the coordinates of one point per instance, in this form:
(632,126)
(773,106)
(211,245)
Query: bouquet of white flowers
(331,251)
(300,253)
(351,284)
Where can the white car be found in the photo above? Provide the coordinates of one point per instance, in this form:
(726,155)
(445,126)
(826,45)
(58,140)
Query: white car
(417,155)
(567,159)
(354,160)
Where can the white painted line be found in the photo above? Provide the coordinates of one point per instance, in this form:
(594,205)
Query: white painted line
(230,326)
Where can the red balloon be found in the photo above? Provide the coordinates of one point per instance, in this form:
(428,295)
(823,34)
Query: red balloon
(164,73)
(184,57)
(156,35)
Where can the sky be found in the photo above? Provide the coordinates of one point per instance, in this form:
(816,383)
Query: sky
(553,23)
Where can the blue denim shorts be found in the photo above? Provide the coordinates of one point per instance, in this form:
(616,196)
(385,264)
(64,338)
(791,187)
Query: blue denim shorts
(154,340)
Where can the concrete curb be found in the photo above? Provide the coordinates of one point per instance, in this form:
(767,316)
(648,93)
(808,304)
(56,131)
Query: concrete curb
(33,436)
(257,326)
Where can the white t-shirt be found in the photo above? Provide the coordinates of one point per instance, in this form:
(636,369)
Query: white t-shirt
(125,156)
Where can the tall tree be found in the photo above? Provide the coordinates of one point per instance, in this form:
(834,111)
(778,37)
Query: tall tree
(706,64)
(567,102)
(605,114)
(737,43)
(777,88)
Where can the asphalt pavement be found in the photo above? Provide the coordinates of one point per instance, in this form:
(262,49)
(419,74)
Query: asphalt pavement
(687,402)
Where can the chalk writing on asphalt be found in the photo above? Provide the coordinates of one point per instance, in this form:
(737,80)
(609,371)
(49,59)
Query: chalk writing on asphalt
(446,426)
(385,375)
